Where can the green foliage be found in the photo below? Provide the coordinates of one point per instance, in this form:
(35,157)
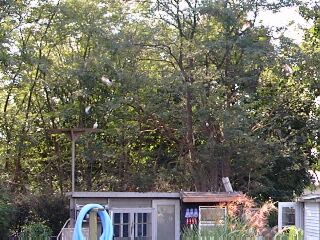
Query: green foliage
(196,91)
(289,233)
(36,231)
(6,212)
(241,222)
(51,211)
(218,232)
(273,219)
(222,232)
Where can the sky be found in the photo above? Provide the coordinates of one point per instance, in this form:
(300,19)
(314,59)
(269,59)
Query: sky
(284,17)
(276,20)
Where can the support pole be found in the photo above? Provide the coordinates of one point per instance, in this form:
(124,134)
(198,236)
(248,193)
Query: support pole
(73,153)
(93,224)
(73,134)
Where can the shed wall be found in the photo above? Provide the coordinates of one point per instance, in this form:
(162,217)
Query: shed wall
(312,221)
(130,203)
(84,201)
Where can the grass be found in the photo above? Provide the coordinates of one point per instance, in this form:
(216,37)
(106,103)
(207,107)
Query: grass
(225,233)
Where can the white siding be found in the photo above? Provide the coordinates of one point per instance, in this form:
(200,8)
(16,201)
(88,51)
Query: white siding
(312,221)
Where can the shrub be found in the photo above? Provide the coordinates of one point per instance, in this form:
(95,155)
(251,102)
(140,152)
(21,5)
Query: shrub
(225,233)
(36,231)
(289,233)
(244,221)
(216,233)
(53,211)
(6,212)
(245,216)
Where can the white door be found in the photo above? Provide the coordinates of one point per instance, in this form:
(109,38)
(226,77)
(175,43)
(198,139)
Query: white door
(289,214)
(167,219)
(132,224)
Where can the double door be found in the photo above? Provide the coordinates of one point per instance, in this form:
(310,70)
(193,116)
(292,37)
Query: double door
(132,224)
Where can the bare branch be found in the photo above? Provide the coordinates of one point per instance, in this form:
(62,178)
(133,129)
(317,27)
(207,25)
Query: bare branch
(157,60)
(160,46)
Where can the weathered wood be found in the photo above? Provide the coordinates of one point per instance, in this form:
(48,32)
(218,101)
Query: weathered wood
(93,224)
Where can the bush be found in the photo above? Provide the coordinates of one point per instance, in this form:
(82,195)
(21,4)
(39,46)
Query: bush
(289,233)
(225,233)
(6,212)
(36,231)
(217,233)
(245,216)
(53,211)
(244,221)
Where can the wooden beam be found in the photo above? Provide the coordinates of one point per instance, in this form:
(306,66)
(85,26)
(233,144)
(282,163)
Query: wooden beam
(93,224)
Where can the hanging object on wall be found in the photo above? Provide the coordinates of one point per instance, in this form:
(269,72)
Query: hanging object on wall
(106,223)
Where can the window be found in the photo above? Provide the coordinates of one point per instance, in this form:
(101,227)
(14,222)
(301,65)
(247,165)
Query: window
(209,217)
(132,224)
(121,224)
(288,216)
(142,226)
(289,213)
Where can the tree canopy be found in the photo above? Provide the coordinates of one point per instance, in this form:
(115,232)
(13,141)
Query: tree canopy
(185,92)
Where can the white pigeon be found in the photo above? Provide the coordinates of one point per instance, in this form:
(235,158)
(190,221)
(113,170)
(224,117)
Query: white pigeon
(87,109)
(95,125)
(106,80)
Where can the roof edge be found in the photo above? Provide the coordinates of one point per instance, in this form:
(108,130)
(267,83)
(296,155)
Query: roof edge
(124,195)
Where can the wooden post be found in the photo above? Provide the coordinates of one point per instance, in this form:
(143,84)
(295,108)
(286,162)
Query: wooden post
(93,224)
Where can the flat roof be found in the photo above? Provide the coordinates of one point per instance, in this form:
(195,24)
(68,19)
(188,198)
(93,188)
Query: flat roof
(125,195)
(186,197)
(310,198)
(210,197)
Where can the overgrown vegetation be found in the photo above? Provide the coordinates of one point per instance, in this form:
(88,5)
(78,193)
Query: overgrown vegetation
(184,91)
(27,213)
(36,231)
(244,221)
(6,212)
(222,233)
(290,233)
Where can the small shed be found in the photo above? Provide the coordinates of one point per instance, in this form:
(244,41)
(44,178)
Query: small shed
(304,214)
(149,215)
(206,208)
(155,215)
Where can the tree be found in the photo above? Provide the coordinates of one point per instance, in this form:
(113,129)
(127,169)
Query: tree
(186,92)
